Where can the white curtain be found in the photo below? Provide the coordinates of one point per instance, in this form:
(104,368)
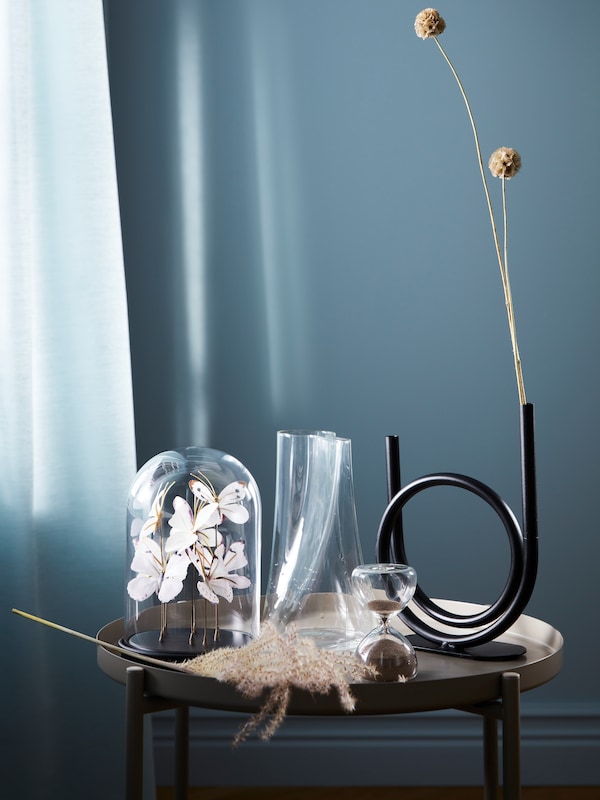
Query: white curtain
(66,415)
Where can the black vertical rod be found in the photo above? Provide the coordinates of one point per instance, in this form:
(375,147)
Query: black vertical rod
(394,484)
(392,457)
(529,501)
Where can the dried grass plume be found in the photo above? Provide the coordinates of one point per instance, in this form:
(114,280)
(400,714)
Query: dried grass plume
(273,663)
(278,663)
(429,23)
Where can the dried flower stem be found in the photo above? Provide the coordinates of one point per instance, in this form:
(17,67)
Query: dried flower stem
(509,304)
(502,263)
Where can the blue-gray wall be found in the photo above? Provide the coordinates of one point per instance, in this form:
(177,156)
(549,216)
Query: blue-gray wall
(305,169)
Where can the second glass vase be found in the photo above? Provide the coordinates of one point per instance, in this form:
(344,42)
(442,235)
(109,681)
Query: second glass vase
(316,544)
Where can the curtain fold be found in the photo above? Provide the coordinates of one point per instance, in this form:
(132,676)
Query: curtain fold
(66,412)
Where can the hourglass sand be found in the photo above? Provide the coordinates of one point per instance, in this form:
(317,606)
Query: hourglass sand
(386,589)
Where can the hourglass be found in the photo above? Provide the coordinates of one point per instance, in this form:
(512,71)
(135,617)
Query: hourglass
(386,589)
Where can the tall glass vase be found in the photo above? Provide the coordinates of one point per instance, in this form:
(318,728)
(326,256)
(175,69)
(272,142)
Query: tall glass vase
(316,544)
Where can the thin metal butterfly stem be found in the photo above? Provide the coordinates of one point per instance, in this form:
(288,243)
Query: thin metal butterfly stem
(217,635)
(163,606)
(204,639)
(163,622)
(192,619)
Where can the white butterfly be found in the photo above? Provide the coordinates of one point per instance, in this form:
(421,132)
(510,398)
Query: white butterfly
(226,504)
(154,576)
(183,531)
(217,569)
(147,562)
(186,529)
(175,573)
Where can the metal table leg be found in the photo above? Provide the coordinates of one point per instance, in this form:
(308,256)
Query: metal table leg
(182,767)
(511,736)
(490,758)
(508,710)
(134,780)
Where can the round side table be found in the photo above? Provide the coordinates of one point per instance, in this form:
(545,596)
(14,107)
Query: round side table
(490,689)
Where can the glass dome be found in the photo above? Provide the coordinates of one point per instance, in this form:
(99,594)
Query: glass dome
(193,554)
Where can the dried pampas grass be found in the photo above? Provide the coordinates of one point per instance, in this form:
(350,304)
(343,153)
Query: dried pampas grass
(275,663)
(278,663)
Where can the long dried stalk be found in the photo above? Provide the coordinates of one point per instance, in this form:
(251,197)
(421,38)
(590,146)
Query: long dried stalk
(502,261)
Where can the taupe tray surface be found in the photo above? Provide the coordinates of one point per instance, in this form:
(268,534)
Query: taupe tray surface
(442,681)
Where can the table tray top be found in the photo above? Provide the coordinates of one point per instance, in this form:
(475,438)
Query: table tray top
(442,681)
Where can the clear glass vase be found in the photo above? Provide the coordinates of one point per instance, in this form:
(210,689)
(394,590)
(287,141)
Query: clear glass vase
(193,554)
(316,544)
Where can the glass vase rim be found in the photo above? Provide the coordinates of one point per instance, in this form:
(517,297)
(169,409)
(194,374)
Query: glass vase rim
(383,568)
(318,434)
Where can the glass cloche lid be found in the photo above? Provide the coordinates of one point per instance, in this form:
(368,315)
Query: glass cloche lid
(193,554)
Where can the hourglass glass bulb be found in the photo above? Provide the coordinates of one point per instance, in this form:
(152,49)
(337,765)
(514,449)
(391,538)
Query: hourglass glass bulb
(386,589)
(384,608)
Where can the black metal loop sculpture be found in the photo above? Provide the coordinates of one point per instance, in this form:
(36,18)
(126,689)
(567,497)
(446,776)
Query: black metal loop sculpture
(491,622)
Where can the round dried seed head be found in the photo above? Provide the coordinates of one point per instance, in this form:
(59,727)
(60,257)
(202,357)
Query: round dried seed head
(504,162)
(429,23)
